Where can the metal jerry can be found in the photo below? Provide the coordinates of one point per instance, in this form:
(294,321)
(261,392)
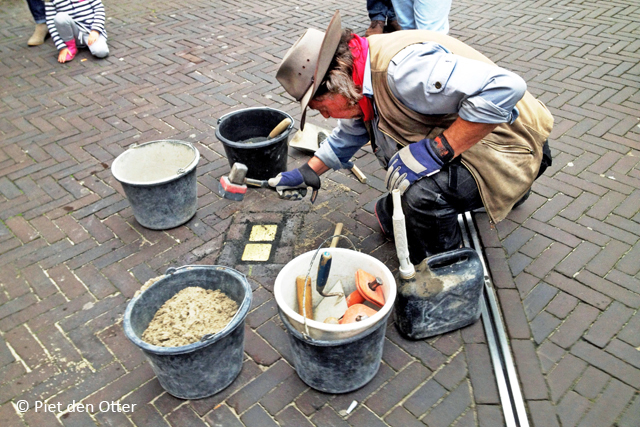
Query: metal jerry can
(444,294)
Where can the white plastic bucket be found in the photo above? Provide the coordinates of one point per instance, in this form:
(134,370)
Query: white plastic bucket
(345,263)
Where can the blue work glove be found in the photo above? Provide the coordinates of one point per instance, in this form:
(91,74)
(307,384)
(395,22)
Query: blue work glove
(293,184)
(417,160)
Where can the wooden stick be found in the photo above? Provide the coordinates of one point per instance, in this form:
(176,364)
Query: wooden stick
(358,173)
(300,286)
(338,230)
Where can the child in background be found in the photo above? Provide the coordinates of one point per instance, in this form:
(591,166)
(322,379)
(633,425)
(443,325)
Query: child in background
(77,23)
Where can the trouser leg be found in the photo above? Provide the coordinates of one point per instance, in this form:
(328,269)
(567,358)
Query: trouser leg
(67,29)
(376,10)
(431,207)
(432,15)
(404,12)
(99,48)
(37,11)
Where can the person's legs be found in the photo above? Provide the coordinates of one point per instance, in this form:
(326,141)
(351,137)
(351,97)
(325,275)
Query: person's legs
(404,12)
(431,207)
(378,16)
(68,32)
(432,15)
(40,33)
(37,11)
(99,48)
(377,10)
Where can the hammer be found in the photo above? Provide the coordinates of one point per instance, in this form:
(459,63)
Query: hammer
(234,186)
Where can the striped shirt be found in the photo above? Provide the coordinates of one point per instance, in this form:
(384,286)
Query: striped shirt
(86,13)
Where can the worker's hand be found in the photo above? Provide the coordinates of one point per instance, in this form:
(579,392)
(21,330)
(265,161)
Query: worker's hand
(293,184)
(417,160)
(93,36)
(62,55)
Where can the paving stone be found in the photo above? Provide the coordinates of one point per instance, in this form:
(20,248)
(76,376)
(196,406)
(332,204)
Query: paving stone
(592,382)
(564,375)
(528,367)
(513,312)
(490,416)
(401,385)
(291,417)
(450,408)
(399,417)
(260,386)
(327,417)
(538,299)
(607,409)
(424,398)
(364,417)
(452,373)
(631,414)
(542,414)
(608,324)
(257,417)
(609,364)
(481,373)
(572,408)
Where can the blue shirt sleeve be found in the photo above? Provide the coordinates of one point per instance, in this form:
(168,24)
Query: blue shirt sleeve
(428,79)
(341,145)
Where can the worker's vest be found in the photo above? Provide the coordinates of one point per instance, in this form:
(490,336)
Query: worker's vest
(504,164)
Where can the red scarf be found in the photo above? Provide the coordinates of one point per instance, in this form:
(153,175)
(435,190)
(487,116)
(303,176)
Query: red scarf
(359,47)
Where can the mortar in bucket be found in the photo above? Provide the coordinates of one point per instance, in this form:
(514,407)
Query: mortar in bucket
(328,357)
(159,180)
(208,366)
(244,136)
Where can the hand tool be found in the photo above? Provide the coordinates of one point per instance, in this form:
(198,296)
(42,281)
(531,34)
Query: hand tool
(407,270)
(304,308)
(280,127)
(232,187)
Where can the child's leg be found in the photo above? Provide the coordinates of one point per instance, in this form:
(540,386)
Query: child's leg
(67,29)
(99,48)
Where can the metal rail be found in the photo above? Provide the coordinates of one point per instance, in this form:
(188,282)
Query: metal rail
(513,408)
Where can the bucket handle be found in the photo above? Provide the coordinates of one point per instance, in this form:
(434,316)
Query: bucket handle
(305,334)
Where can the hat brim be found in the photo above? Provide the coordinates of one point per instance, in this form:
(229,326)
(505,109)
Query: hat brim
(330,43)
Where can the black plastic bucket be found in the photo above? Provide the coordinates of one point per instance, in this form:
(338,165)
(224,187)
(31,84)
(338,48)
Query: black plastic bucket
(264,159)
(421,314)
(337,366)
(203,368)
(159,180)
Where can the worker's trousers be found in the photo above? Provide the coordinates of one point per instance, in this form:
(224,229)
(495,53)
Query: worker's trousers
(431,206)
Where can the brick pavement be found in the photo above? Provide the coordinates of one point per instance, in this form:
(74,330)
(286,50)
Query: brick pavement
(71,254)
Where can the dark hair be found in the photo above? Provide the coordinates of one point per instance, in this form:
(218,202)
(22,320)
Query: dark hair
(339,76)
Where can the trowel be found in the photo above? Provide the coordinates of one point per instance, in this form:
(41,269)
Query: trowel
(280,127)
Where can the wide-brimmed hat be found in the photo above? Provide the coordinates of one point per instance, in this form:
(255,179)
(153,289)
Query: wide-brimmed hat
(305,64)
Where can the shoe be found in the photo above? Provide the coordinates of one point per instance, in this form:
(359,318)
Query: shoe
(376,27)
(40,34)
(73,49)
(392,26)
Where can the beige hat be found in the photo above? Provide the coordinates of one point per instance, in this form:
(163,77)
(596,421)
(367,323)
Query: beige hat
(305,64)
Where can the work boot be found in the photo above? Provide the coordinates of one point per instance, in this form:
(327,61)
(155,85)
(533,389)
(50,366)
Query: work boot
(392,26)
(376,27)
(40,34)
(73,49)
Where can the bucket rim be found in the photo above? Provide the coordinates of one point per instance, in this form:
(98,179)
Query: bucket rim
(332,343)
(325,328)
(191,166)
(235,322)
(285,133)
